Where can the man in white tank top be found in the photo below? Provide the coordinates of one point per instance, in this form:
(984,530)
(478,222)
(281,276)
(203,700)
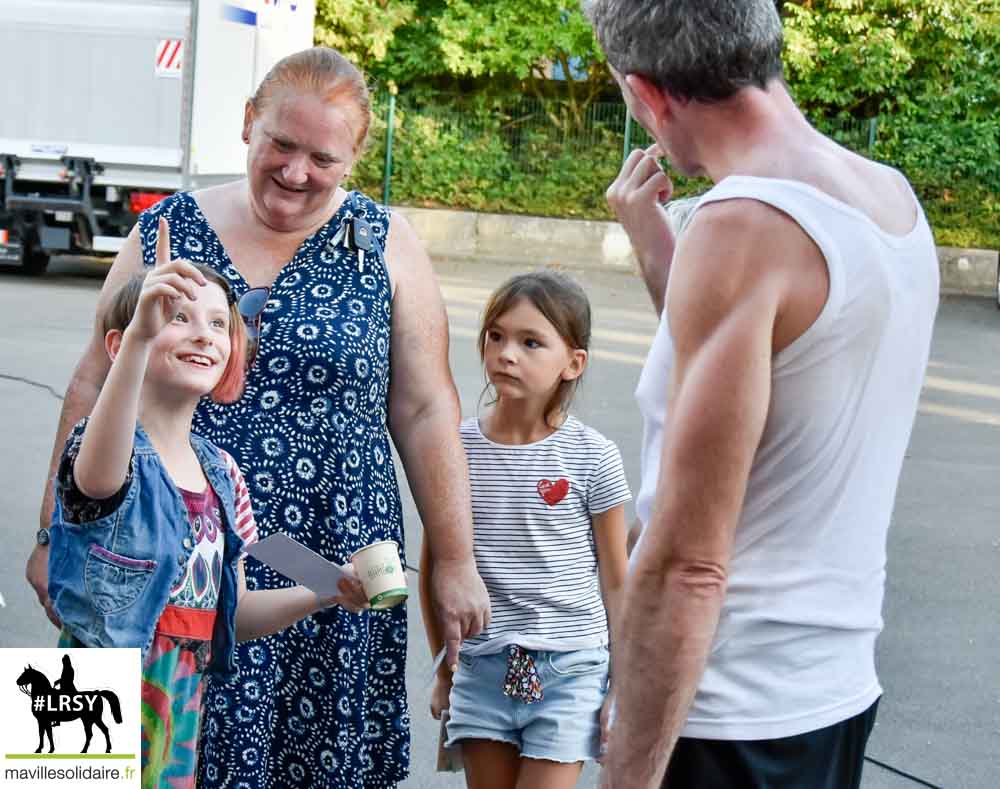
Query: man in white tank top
(778,399)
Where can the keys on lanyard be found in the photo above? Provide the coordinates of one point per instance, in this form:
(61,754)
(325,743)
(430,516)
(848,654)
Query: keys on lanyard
(357,232)
(340,237)
(363,240)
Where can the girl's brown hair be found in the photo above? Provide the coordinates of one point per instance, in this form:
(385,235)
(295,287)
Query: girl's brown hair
(323,72)
(122,309)
(564,305)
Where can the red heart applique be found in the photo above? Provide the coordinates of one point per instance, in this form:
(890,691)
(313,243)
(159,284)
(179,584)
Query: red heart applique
(553,492)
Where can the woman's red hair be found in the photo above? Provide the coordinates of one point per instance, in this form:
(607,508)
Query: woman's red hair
(326,73)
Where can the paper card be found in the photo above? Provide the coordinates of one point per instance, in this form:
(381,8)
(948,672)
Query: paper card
(303,565)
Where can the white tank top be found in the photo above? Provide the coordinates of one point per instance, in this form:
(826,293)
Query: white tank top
(794,650)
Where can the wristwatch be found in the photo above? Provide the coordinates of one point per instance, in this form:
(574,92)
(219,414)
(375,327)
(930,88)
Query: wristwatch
(42,536)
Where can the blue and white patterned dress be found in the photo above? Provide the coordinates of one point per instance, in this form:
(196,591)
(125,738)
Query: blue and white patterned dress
(323,703)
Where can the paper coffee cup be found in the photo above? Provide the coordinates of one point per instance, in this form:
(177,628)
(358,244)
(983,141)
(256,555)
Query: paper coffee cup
(381,573)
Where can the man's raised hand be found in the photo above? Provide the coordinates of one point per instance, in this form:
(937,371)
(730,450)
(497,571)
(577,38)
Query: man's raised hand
(637,196)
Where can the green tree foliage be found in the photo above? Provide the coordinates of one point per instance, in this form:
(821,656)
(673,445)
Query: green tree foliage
(498,44)
(894,56)
(362,30)
(525,40)
(927,70)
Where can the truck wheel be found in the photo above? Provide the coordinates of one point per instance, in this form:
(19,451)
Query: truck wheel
(34,259)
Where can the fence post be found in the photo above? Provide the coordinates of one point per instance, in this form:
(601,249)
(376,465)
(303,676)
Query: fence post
(390,124)
(872,133)
(627,148)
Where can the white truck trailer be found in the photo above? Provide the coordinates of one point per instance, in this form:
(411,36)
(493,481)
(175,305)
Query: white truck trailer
(107,106)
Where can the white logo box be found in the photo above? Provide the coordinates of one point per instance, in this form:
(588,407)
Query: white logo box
(103,679)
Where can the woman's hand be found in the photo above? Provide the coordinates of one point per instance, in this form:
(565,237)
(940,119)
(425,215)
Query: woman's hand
(37,573)
(440,694)
(162,290)
(462,604)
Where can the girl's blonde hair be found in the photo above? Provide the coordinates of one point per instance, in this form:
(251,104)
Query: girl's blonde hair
(325,73)
(122,309)
(564,305)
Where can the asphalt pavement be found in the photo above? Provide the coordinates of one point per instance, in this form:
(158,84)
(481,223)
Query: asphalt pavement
(938,658)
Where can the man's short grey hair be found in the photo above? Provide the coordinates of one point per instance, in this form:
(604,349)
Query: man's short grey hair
(705,50)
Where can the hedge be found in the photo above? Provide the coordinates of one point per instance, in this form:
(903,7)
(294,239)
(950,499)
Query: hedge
(518,156)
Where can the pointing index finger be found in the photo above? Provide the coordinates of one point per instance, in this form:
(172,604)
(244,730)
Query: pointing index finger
(163,243)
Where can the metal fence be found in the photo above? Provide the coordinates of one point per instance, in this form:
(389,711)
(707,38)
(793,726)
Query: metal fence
(516,137)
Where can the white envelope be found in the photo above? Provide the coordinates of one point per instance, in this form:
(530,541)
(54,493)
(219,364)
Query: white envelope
(303,565)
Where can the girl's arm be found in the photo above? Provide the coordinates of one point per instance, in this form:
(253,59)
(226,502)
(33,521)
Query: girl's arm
(612,559)
(106,448)
(265,611)
(610,539)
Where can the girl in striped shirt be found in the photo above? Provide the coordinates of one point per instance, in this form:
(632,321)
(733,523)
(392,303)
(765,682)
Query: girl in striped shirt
(529,699)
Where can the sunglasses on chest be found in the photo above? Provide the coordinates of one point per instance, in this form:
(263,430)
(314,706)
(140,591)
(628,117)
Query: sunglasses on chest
(251,308)
(251,304)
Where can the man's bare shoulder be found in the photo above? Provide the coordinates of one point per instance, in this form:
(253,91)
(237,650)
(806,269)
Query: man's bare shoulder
(876,190)
(739,237)
(727,252)
(742,254)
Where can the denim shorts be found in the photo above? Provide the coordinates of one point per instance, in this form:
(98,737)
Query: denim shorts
(563,727)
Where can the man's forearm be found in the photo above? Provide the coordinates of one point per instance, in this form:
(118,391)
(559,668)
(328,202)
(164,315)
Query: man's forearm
(667,624)
(656,274)
(438,475)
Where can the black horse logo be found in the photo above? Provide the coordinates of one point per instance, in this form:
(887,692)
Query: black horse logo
(51,707)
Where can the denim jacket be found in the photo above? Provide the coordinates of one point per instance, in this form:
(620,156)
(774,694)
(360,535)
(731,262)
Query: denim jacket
(110,578)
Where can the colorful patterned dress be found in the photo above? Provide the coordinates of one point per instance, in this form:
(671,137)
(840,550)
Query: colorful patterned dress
(323,703)
(173,670)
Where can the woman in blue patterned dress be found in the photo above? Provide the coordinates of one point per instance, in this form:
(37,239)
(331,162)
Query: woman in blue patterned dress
(322,704)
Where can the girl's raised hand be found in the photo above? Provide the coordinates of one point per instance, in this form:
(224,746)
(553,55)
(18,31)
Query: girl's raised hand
(163,288)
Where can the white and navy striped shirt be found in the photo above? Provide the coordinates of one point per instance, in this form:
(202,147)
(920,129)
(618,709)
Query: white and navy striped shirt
(534,544)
